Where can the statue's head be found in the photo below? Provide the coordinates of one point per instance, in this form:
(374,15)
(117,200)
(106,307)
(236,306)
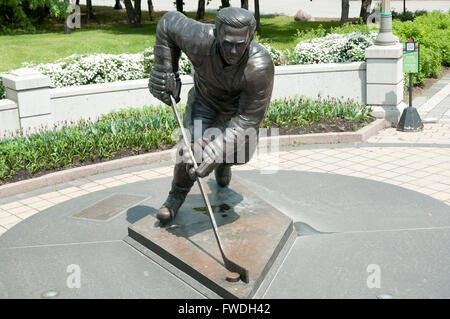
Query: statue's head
(234,32)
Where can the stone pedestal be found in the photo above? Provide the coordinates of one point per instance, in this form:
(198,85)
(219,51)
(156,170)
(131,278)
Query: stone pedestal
(29,89)
(385,81)
(255,235)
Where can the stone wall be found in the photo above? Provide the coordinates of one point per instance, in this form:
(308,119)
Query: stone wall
(31,102)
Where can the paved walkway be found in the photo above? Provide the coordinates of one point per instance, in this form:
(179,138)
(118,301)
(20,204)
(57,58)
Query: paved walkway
(383,203)
(418,161)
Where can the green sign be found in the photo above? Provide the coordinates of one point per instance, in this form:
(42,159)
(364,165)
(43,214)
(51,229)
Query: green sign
(410,57)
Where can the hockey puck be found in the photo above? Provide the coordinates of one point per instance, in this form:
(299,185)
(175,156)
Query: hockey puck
(233,277)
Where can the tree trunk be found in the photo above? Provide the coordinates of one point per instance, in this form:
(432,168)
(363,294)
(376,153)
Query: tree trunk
(365,8)
(134,14)
(180,5)
(118,6)
(66,27)
(151,12)
(244,4)
(200,10)
(225,3)
(257,18)
(89,12)
(344,13)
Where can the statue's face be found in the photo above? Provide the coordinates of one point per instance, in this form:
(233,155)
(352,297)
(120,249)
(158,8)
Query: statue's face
(232,43)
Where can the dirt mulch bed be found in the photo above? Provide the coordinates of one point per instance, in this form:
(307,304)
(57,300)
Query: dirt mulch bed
(337,125)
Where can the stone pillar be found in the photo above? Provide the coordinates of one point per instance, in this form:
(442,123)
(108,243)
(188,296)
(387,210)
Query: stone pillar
(385,81)
(30,90)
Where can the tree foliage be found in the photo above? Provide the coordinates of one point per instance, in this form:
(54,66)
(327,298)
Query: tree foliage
(25,14)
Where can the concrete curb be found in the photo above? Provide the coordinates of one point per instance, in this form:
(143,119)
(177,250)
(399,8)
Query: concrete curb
(149,158)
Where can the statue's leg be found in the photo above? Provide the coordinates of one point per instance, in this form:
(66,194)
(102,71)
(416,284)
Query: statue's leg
(182,183)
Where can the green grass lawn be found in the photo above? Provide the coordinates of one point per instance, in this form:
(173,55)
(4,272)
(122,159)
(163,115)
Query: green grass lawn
(109,32)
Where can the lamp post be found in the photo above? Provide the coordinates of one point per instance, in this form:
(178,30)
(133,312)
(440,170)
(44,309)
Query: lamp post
(385,36)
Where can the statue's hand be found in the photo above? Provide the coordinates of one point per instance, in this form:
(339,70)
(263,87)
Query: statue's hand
(164,84)
(212,157)
(183,155)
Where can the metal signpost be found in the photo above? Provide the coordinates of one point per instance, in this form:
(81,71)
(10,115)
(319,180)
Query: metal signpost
(410,119)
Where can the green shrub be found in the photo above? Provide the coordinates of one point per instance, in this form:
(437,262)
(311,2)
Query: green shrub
(432,31)
(139,130)
(25,14)
(2,90)
(408,15)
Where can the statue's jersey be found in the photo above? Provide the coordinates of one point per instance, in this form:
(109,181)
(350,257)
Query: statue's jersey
(239,92)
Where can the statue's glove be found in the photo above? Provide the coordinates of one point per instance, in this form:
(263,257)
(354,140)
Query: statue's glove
(212,157)
(183,155)
(163,84)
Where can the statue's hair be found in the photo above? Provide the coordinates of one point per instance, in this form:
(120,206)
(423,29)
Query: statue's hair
(236,18)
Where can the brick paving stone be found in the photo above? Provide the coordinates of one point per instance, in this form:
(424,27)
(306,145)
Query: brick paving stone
(437,178)
(393,182)
(439,187)
(359,174)
(149,175)
(377,178)
(443,196)
(431,169)
(403,170)
(359,167)
(132,179)
(69,190)
(11,225)
(343,171)
(122,176)
(59,199)
(372,163)
(4,214)
(30,212)
(105,181)
(18,210)
(43,207)
(388,174)
(2,230)
(387,166)
(317,156)
(330,168)
(344,155)
(49,195)
(404,178)
(113,183)
(417,165)
(284,165)
(302,160)
(8,220)
(79,193)
(41,204)
(30,200)
(373,170)
(418,174)
(8,206)
(88,186)
(328,160)
(164,170)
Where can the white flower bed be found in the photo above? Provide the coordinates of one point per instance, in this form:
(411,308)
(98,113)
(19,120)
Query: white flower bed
(333,48)
(101,68)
